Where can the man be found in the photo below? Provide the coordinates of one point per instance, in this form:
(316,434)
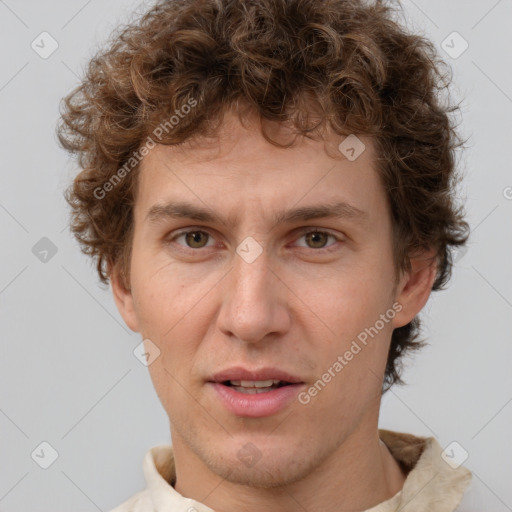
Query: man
(267,185)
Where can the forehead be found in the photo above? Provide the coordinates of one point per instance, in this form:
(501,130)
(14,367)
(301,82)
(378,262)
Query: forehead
(239,167)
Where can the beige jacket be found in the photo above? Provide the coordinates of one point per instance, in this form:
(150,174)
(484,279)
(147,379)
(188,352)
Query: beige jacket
(432,485)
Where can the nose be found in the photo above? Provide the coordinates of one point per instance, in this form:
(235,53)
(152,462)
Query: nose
(254,306)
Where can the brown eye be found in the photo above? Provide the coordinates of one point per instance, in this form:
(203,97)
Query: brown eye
(196,239)
(317,239)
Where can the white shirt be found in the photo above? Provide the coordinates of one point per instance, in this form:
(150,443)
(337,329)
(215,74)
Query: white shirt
(432,484)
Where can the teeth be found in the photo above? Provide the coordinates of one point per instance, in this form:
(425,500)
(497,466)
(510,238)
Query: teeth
(254,383)
(253,391)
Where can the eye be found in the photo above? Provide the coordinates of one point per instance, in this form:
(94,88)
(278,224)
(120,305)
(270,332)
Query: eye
(199,239)
(194,239)
(316,239)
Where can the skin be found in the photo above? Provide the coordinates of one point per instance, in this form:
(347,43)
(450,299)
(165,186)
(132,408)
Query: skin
(297,306)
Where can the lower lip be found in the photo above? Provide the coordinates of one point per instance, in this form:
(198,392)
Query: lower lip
(256,405)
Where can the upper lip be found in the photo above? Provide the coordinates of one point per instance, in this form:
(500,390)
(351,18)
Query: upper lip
(240,373)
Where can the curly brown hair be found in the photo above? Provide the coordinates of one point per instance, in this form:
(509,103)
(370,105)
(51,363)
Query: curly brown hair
(348,60)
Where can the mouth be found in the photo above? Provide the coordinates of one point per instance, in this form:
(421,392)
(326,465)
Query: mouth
(257,393)
(254,387)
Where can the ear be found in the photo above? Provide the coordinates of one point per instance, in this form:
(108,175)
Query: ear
(414,287)
(123,298)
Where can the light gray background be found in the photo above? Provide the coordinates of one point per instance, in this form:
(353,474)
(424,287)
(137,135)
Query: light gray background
(67,369)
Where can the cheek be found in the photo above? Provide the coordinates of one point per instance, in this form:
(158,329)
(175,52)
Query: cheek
(345,302)
(174,309)
(164,294)
(346,316)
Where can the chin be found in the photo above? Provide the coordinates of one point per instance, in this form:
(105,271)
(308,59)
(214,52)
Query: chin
(262,475)
(272,467)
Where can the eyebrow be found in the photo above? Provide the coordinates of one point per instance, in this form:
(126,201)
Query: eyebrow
(181,209)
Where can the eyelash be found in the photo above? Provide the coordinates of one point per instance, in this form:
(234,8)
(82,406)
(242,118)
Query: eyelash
(302,233)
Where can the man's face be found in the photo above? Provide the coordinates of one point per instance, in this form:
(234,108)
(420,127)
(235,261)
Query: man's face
(211,302)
